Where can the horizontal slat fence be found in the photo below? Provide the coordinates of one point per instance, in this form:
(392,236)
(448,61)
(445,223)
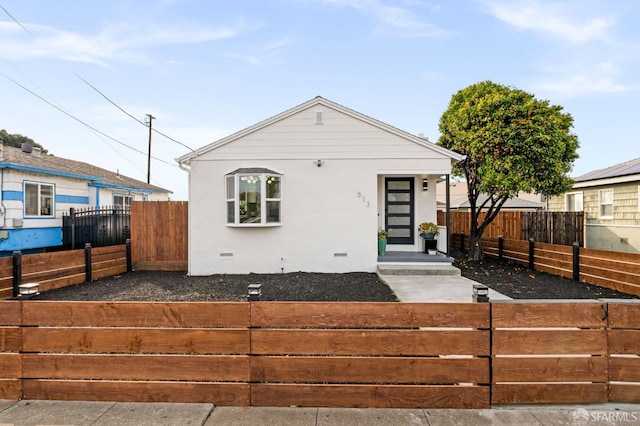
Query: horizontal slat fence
(63,268)
(624,351)
(183,352)
(458,355)
(549,352)
(614,270)
(370,355)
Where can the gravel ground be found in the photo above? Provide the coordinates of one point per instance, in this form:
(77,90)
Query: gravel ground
(513,280)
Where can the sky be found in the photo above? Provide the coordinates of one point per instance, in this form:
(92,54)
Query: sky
(79,76)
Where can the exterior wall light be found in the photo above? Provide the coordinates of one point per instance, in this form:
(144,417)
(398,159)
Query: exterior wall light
(254,291)
(425,184)
(480,293)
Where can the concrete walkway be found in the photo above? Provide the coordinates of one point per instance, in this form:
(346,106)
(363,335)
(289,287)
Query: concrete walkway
(26,413)
(435,288)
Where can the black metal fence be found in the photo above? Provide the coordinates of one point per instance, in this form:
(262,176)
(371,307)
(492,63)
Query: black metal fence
(104,226)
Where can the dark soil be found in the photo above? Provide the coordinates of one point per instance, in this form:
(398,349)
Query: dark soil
(510,279)
(520,282)
(178,287)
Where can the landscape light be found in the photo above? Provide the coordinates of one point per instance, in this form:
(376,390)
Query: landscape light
(28,290)
(480,293)
(254,291)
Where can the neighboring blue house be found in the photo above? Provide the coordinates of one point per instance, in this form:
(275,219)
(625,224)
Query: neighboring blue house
(36,189)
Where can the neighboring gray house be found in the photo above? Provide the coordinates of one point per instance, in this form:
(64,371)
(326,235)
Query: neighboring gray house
(609,198)
(36,189)
(519,204)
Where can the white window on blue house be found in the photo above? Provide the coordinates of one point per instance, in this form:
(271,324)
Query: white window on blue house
(38,200)
(253,197)
(122,202)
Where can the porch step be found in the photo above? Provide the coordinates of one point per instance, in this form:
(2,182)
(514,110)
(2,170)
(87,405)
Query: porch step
(404,268)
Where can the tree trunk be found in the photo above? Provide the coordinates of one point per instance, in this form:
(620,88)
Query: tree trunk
(475,247)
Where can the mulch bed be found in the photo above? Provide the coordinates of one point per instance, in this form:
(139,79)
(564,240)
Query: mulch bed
(513,280)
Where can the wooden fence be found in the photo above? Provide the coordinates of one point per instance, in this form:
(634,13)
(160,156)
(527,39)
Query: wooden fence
(59,269)
(459,355)
(614,270)
(159,235)
(549,227)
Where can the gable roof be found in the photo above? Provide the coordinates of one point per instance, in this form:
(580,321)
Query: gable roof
(35,162)
(624,172)
(319,100)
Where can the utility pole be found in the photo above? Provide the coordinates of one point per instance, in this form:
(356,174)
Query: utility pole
(150,118)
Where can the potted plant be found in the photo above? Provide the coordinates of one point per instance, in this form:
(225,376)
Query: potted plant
(428,230)
(383,234)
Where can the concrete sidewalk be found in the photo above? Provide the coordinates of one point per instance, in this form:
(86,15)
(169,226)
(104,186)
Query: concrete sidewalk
(125,413)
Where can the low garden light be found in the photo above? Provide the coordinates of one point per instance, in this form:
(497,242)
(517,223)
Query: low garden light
(480,293)
(254,291)
(28,290)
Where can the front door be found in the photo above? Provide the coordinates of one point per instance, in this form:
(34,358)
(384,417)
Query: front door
(398,210)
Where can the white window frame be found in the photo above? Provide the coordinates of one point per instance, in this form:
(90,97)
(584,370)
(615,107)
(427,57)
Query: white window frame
(234,199)
(601,204)
(638,198)
(124,197)
(577,196)
(40,206)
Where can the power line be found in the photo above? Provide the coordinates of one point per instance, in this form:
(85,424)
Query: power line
(80,121)
(130,115)
(14,19)
(60,105)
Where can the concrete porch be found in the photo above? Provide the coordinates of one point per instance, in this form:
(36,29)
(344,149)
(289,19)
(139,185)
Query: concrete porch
(416,263)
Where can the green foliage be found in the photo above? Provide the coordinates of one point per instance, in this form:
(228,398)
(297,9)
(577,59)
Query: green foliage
(16,140)
(512,141)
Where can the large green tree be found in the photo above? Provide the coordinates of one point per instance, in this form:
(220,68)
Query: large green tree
(513,142)
(16,140)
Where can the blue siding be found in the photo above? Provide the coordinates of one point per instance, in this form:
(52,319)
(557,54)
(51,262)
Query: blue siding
(72,199)
(12,195)
(30,238)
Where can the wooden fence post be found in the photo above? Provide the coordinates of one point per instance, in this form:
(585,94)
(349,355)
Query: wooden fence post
(87,262)
(129,262)
(576,261)
(531,244)
(17,272)
(500,247)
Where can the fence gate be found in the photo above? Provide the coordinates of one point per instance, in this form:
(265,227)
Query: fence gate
(104,226)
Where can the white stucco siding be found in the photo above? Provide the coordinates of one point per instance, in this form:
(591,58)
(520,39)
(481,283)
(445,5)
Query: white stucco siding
(340,136)
(326,226)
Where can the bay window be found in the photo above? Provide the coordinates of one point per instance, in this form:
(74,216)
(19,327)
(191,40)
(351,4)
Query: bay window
(253,197)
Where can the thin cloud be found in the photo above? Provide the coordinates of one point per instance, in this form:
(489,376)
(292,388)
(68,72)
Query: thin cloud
(122,42)
(561,20)
(392,19)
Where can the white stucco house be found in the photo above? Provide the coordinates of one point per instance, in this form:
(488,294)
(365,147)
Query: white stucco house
(36,189)
(307,190)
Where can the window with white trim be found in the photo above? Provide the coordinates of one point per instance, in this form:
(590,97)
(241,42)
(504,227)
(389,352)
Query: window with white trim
(606,204)
(573,202)
(38,200)
(122,202)
(253,197)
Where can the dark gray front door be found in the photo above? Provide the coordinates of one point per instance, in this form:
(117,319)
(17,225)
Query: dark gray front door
(399,210)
